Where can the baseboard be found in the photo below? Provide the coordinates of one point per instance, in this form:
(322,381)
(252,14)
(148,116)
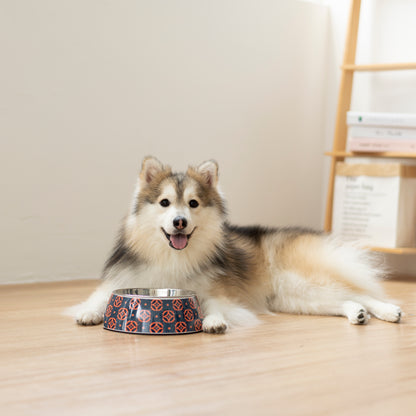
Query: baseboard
(40,279)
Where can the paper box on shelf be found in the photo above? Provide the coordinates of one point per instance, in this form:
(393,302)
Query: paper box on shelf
(376,204)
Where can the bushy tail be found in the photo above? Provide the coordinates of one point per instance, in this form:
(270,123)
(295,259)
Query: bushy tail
(361,268)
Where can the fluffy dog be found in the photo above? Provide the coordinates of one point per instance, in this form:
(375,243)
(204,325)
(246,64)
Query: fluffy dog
(176,235)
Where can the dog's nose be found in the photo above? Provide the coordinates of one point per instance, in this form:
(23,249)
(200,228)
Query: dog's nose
(180,223)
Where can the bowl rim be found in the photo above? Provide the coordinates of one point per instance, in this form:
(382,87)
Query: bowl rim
(155,293)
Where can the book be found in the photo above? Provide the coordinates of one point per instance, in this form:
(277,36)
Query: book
(381,119)
(371,144)
(366,131)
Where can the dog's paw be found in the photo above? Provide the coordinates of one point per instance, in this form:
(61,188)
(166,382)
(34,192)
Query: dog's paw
(89,318)
(84,315)
(214,324)
(356,313)
(390,313)
(360,318)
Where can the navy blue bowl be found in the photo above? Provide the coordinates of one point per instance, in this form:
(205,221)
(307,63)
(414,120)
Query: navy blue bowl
(153,311)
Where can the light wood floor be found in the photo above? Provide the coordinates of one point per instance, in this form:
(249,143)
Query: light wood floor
(289,365)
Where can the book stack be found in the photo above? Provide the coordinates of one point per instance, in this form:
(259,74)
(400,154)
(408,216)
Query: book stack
(381,132)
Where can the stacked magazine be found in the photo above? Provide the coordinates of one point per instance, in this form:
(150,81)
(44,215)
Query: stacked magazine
(381,132)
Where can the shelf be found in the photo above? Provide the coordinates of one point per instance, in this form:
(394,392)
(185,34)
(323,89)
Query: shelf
(341,154)
(380,67)
(399,250)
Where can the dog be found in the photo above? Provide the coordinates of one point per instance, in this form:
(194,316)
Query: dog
(176,234)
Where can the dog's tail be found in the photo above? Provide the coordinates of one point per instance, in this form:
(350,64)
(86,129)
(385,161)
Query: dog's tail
(358,267)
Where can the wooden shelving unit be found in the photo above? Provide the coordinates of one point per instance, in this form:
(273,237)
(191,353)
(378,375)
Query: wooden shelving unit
(339,153)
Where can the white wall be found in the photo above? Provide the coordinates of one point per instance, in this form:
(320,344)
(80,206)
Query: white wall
(386,34)
(89,88)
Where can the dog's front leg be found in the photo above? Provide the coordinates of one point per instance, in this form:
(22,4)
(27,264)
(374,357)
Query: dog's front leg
(91,312)
(214,321)
(221,313)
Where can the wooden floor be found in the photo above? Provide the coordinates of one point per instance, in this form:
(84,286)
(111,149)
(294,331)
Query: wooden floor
(289,365)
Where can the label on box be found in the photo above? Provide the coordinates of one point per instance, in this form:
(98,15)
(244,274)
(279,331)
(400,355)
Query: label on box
(366,209)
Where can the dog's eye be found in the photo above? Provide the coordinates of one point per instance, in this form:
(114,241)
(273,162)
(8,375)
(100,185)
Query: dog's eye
(193,203)
(164,203)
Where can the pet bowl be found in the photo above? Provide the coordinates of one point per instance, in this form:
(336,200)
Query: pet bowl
(153,311)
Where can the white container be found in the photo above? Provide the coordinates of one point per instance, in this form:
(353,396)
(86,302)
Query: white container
(376,204)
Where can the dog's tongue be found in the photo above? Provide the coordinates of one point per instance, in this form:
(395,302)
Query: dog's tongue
(179,241)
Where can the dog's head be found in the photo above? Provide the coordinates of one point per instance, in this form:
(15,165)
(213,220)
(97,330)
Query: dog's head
(176,211)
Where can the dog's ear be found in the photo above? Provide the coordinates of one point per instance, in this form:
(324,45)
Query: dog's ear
(150,168)
(209,172)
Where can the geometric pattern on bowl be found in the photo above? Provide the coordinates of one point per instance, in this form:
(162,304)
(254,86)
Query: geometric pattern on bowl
(153,311)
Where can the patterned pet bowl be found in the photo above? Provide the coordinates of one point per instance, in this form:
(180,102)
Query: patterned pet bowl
(153,311)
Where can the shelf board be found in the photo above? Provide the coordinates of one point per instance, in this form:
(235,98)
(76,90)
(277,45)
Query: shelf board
(399,250)
(380,67)
(371,154)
